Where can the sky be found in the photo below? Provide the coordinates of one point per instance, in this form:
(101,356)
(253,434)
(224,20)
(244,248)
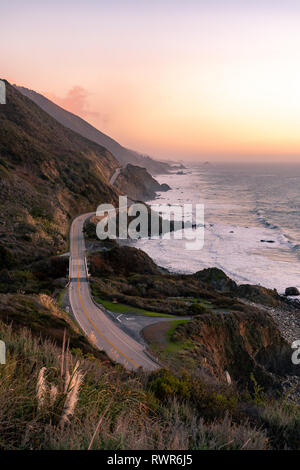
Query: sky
(190,80)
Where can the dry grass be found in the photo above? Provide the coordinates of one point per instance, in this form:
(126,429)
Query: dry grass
(61,397)
(51,305)
(48,400)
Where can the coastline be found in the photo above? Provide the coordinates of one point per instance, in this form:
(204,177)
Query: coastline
(241,251)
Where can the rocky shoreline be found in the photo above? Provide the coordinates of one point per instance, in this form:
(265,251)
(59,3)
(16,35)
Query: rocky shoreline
(286,316)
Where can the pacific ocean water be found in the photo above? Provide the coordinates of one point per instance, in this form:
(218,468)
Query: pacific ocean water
(252,222)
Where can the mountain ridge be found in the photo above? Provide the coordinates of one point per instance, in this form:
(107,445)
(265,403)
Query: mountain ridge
(82,127)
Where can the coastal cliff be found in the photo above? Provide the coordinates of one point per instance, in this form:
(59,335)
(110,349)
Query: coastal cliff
(225,332)
(138,184)
(242,343)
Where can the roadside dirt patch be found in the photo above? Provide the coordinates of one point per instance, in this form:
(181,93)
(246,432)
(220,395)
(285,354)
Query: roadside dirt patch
(156,333)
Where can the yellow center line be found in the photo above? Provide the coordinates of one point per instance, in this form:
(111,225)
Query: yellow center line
(85,312)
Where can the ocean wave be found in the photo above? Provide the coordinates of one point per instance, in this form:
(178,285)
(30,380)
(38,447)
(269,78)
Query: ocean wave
(283,237)
(237,218)
(262,218)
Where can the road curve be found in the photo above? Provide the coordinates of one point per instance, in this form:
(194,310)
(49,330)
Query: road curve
(115,176)
(102,331)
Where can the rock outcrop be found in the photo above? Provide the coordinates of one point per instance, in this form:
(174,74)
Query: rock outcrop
(216,278)
(221,282)
(122,260)
(136,183)
(258,294)
(292,291)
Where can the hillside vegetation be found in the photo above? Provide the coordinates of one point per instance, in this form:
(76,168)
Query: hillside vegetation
(48,175)
(225,333)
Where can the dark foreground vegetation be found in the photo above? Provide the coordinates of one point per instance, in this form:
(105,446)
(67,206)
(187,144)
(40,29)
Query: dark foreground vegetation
(54,398)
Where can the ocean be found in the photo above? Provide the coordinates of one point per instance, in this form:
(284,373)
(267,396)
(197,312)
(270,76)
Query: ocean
(243,204)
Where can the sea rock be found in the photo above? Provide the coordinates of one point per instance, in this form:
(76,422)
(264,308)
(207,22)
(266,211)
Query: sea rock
(164,187)
(292,291)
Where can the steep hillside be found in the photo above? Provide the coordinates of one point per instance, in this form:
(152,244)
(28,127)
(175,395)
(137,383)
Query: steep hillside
(243,343)
(48,174)
(85,129)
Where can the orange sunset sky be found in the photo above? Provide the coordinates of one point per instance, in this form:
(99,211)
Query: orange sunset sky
(190,79)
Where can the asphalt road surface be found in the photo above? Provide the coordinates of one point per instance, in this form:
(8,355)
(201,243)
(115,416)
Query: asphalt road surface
(115,175)
(102,331)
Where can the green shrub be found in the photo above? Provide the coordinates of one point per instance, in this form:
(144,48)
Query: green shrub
(210,400)
(167,385)
(197,309)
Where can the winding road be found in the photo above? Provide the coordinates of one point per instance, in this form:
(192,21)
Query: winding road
(115,175)
(102,331)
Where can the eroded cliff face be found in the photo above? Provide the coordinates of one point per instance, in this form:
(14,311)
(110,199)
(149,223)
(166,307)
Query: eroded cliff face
(238,342)
(136,183)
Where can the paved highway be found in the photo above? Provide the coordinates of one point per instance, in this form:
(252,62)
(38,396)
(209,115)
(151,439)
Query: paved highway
(102,331)
(115,175)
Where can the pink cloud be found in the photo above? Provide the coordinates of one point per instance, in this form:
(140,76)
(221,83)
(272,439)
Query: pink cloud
(76,101)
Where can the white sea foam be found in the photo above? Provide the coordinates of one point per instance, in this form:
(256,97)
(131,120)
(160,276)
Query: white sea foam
(234,230)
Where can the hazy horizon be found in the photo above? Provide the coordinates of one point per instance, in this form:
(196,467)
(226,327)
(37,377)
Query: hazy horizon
(198,80)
